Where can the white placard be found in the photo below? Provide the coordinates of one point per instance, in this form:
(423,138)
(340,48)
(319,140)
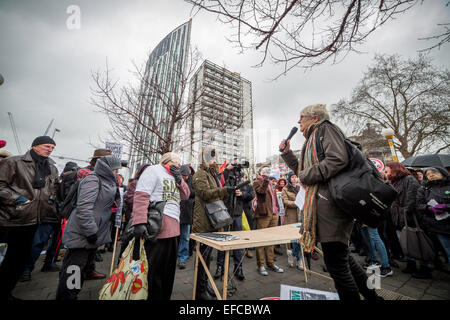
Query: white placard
(300,199)
(296,293)
(116,148)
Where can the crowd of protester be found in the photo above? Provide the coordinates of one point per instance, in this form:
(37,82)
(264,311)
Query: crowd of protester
(33,195)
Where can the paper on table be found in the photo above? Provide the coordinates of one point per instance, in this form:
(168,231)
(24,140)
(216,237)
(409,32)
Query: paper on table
(300,199)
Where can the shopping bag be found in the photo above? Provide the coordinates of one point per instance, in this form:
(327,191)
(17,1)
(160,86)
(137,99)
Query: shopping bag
(129,279)
(245,225)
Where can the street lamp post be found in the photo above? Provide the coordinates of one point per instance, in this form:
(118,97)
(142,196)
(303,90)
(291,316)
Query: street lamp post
(54,132)
(388,134)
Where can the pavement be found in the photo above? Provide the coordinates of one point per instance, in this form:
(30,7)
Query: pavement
(399,286)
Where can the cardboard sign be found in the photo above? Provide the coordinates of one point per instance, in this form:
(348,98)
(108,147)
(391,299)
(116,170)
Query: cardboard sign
(116,148)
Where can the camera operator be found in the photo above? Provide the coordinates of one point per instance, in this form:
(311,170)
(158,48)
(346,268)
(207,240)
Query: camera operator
(235,205)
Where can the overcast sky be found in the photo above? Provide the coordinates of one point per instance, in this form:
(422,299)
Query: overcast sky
(47,67)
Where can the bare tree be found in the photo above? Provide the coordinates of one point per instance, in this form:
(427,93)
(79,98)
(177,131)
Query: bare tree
(302,33)
(146,115)
(150,116)
(412,97)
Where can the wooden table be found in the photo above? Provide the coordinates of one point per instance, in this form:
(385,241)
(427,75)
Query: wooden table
(247,239)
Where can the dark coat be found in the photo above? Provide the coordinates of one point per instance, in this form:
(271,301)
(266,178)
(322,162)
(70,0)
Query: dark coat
(247,195)
(187,206)
(96,194)
(405,203)
(16,179)
(332,224)
(438,190)
(264,204)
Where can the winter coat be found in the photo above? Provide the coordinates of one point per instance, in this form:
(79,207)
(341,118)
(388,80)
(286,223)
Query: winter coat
(248,198)
(438,190)
(264,205)
(187,206)
(206,191)
(16,179)
(332,224)
(245,197)
(96,194)
(288,195)
(405,203)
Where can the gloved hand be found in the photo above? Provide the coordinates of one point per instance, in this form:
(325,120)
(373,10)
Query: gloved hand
(92,239)
(176,174)
(21,200)
(140,230)
(438,209)
(230,190)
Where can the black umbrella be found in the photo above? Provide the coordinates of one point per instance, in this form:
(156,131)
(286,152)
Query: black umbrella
(428,160)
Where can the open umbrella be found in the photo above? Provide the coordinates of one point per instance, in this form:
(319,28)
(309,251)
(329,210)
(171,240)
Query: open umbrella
(428,160)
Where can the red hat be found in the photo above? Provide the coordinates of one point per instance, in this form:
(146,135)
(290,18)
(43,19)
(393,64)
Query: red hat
(2,143)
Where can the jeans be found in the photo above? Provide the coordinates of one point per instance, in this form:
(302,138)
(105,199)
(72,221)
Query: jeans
(183,245)
(349,277)
(445,241)
(43,234)
(296,250)
(377,244)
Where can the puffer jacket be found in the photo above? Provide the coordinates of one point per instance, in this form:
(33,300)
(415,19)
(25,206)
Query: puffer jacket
(206,190)
(332,224)
(16,179)
(96,194)
(439,190)
(405,203)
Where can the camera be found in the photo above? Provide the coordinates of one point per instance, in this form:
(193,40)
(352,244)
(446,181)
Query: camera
(242,165)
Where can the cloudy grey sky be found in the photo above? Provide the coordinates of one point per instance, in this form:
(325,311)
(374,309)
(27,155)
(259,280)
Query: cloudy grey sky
(47,67)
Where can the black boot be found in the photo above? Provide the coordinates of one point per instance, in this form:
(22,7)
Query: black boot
(219,272)
(238,272)
(423,273)
(410,267)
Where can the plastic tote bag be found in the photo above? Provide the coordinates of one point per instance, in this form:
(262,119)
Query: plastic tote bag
(245,225)
(129,279)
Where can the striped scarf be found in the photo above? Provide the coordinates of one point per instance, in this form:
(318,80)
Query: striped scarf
(310,210)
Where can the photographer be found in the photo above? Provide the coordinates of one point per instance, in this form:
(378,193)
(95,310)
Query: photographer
(235,205)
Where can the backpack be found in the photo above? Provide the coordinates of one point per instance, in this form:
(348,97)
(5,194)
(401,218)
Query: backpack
(358,189)
(68,180)
(69,203)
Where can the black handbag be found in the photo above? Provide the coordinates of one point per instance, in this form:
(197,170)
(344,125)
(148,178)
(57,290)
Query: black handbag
(217,214)
(415,243)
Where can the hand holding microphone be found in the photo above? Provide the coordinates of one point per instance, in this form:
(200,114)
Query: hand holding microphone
(285,144)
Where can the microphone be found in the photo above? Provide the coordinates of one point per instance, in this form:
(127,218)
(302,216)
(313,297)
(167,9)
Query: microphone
(291,134)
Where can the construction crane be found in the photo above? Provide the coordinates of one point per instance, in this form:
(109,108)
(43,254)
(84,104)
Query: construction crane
(16,137)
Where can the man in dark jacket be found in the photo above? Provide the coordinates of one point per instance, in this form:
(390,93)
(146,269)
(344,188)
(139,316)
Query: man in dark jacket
(248,210)
(323,221)
(186,213)
(28,186)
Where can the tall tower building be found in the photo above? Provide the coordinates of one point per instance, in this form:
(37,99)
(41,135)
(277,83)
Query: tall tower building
(223,116)
(165,68)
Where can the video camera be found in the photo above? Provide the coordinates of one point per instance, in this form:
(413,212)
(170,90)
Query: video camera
(242,165)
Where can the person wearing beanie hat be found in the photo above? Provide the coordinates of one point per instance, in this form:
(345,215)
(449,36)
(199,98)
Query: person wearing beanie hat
(28,185)
(89,225)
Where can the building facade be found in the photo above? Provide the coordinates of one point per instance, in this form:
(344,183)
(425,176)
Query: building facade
(222,117)
(164,72)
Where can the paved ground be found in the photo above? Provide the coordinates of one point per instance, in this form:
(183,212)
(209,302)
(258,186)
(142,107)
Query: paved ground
(254,287)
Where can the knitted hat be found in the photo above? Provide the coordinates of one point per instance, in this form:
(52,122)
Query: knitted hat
(43,140)
(185,170)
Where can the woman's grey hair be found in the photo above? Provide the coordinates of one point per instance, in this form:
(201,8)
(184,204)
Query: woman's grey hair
(170,156)
(319,110)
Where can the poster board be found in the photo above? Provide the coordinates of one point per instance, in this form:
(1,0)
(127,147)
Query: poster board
(297,293)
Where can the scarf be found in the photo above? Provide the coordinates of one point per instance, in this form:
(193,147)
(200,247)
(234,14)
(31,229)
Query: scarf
(42,169)
(310,159)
